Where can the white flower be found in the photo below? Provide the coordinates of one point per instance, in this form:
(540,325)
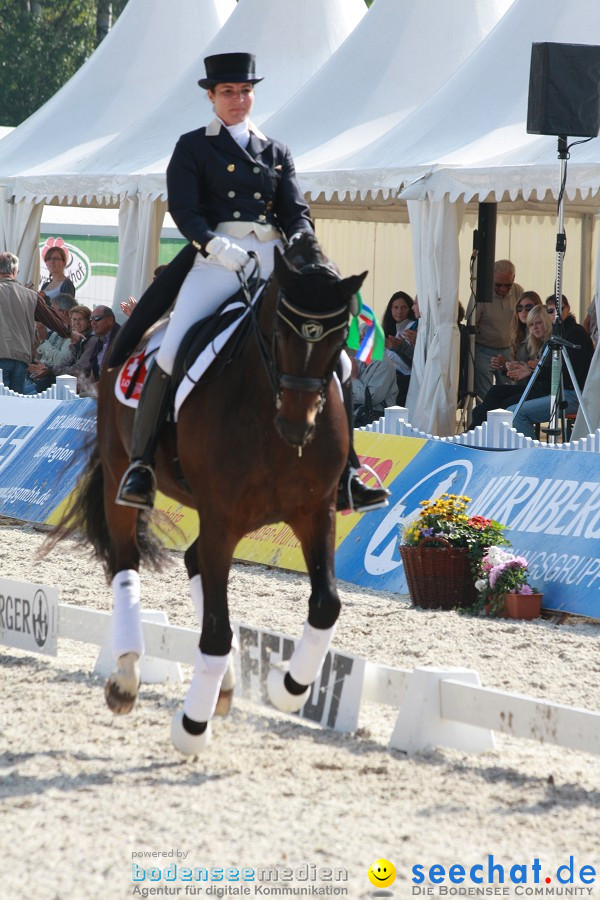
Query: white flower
(496,555)
(481,584)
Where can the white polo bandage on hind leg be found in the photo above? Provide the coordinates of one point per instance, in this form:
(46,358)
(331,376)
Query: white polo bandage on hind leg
(201,699)
(127,634)
(308,656)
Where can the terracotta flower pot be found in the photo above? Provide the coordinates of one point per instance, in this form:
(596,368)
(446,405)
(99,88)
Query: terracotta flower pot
(523,606)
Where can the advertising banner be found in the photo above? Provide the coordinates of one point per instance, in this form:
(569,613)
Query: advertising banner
(548,499)
(41,474)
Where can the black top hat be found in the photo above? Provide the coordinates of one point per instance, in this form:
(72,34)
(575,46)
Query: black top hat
(231,67)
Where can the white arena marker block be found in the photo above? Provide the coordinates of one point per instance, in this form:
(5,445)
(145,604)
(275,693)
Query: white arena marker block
(152,670)
(420,725)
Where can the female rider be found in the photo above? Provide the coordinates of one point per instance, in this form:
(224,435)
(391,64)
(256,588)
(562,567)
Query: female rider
(231,190)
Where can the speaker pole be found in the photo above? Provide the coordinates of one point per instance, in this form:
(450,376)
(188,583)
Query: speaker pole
(556,423)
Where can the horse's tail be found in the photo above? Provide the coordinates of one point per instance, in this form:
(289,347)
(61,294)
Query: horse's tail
(84,521)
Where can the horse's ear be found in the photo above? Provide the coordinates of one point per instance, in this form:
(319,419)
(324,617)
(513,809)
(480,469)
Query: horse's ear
(350,287)
(281,266)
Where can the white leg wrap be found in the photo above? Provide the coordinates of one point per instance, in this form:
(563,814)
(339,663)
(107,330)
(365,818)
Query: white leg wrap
(201,700)
(127,635)
(308,656)
(197,595)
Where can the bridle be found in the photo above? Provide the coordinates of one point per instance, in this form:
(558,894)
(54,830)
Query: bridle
(311,327)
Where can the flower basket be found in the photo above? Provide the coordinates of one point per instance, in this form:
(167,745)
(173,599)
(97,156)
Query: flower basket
(438,574)
(523,606)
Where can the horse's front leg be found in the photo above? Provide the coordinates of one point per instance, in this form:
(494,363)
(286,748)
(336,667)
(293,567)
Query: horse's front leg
(190,728)
(289,691)
(225,698)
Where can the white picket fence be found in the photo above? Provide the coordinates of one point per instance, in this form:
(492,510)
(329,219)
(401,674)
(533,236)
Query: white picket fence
(495,434)
(64,388)
(436,707)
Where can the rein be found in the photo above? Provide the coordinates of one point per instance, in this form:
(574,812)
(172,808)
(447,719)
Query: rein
(309,326)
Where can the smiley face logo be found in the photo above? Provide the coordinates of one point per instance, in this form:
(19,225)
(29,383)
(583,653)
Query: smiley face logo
(382,873)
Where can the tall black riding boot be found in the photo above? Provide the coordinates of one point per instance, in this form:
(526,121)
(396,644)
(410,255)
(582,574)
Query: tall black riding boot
(352,493)
(138,485)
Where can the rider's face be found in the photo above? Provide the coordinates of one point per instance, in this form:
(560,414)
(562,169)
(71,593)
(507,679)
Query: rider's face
(232,102)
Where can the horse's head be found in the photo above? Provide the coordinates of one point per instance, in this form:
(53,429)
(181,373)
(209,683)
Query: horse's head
(310,330)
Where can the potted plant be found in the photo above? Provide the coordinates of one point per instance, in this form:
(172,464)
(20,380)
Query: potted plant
(441,551)
(504,588)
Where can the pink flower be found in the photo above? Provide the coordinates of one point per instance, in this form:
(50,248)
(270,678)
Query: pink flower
(525,589)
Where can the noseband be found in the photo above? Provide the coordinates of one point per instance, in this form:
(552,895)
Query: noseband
(311,327)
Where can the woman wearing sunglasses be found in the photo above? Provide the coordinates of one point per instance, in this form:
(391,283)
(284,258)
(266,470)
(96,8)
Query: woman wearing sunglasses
(499,394)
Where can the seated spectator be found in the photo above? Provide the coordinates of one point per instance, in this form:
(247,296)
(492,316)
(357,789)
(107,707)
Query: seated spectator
(53,351)
(518,332)
(538,409)
(525,348)
(373,389)
(127,306)
(78,361)
(590,323)
(105,330)
(399,327)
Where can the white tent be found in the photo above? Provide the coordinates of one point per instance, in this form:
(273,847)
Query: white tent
(126,75)
(469,140)
(291,40)
(393,61)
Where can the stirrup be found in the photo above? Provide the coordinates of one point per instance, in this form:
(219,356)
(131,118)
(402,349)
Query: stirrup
(144,502)
(381,503)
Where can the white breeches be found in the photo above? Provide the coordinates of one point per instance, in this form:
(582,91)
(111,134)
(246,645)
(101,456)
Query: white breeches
(206,286)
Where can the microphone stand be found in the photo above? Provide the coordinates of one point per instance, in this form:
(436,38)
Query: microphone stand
(557,344)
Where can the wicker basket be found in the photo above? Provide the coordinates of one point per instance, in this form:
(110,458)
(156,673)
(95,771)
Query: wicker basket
(438,575)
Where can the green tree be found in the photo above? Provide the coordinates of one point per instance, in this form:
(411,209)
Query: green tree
(42,45)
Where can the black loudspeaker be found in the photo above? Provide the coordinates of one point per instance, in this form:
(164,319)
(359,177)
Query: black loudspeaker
(564,90)
(485,244)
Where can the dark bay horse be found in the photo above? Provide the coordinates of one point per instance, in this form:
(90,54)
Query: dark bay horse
(264,442)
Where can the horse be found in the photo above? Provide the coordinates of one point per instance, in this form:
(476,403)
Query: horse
(264,442)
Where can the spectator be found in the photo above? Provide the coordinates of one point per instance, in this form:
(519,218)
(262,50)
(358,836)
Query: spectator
(77,362)
(127,306)
(54,351)
(538,409)
(519,350)
(492,324)
(590,323)
(500,396)
(56,260)
(373,389)
(20,309)
(105,330)
(399,327)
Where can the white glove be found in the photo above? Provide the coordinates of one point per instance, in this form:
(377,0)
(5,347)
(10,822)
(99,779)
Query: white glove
(227,254)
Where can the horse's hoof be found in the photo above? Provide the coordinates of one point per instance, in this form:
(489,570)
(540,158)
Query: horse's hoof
(279,695)
(186,743)
(225,698)
(224,701)
(122,687)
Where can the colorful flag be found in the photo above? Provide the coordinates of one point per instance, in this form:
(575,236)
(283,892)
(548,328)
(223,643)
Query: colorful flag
(371,345)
